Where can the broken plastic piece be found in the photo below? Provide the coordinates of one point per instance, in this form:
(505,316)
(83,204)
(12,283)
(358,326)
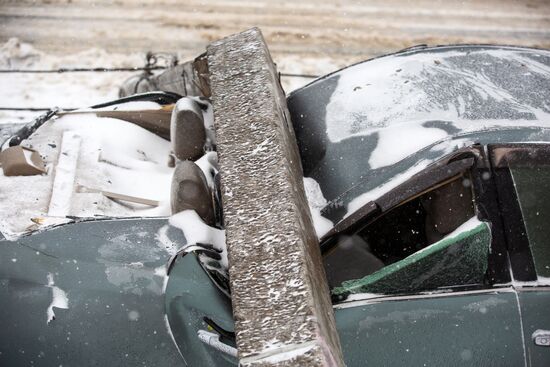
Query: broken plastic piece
(132,199)
(187,131)
(117,196)
(213,340)
(21,161)
(156,121)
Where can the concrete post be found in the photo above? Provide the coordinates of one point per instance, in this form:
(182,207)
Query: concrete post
(280,297)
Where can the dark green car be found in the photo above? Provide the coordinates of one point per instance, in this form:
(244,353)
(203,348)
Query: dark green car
(435,167)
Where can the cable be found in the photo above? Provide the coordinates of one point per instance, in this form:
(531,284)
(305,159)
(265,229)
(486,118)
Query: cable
(27,109)
(291,75)
(109,70)
(80,70)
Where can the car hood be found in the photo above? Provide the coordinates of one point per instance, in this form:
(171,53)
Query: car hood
(88,293)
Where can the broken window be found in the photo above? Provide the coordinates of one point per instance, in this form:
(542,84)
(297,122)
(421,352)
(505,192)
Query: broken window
(430,241)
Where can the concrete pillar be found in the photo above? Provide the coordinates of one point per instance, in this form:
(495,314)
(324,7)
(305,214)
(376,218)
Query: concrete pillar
(281,304)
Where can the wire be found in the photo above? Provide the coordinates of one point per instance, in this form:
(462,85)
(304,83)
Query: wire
(101,69)
(291,75)
(79,70)
(25,109)
(110,70)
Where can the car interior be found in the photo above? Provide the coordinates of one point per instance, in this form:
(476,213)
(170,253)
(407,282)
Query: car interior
(404,230)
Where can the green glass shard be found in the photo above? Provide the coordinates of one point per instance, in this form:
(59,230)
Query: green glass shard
(458,259)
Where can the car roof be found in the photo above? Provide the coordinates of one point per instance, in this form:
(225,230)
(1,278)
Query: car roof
(366,128)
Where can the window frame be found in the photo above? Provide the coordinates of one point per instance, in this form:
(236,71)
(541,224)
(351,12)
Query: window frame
(502,157)
(472,159)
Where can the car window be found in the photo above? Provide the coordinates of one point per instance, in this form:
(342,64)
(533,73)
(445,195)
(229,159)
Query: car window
(413,247)
(461,258)
(532,184)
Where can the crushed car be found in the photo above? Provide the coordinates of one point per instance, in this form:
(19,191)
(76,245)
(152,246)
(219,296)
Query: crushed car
(428,178)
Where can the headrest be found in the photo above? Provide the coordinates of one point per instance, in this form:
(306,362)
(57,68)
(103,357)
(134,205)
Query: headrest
(187,131)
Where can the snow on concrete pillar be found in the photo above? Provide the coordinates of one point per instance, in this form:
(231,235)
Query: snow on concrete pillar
(281,304)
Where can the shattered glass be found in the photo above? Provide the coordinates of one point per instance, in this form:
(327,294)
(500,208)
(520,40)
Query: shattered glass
(458,259)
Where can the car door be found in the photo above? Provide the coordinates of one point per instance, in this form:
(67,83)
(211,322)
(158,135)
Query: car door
(523,174)
(416,287)
(455,329)
(437,326)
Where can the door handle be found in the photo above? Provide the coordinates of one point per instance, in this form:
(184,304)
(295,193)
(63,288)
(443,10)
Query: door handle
(541,338)
(213,340)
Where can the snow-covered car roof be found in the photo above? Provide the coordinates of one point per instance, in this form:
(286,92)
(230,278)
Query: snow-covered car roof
(369,127)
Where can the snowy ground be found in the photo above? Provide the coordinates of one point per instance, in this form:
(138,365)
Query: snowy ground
(68,90)
(73,90)
(304,37)
(308,28)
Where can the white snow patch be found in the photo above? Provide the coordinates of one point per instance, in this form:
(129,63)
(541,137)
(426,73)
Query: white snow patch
(540,282)
(376,97)
(385,99)
(70,90)
(317,202)
(160,271)
(277,352)
(110,155)
(59,299)
(132,106)
(165,281)
(196,231)
(165,242)
(467,226)
(363,296)
(65,171)
(381,99)
(398,141)
(208,164)
(375,193)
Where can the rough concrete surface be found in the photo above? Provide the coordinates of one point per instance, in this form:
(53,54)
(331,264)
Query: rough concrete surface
(281,304)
